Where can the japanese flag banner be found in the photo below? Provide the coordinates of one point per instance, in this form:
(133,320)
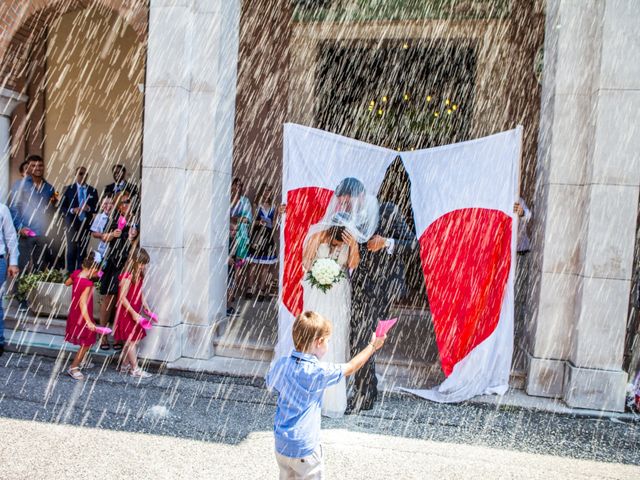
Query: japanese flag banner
(314,163)
(462,197)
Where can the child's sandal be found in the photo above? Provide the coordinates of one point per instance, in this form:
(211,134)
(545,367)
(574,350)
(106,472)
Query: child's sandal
(140,373)
(75,373)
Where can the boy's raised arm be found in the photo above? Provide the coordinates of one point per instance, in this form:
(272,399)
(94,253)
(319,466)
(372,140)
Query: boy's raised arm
(357,362)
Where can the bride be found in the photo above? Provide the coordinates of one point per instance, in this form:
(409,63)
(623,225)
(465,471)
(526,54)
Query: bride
(351,218)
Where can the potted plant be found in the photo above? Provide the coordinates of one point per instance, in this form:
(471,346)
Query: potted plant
(48,296)
(46,293)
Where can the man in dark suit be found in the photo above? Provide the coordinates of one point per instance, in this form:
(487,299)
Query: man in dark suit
(78,205)
(120,183)
(378,281)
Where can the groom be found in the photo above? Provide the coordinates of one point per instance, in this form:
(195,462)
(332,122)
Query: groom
(376,284)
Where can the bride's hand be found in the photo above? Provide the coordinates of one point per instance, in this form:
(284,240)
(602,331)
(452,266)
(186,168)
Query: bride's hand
(349,239)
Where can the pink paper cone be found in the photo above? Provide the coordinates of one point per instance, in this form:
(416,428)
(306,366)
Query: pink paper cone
(146,323)
(384,326)
(103,330)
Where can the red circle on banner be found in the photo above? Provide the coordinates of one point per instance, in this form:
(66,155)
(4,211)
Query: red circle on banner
(466,259)
(305,207)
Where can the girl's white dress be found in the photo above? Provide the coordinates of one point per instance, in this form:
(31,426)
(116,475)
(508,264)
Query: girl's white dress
(335,305)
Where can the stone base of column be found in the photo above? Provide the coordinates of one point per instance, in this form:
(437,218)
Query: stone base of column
(162,344)
(545,377)
(595,389)
(197,341)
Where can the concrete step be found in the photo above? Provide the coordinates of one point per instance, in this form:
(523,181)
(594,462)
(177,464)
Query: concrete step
(26,321)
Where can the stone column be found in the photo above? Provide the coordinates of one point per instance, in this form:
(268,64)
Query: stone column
(587,203)
(9,100)
(186,175)
(214,58)
(594,376)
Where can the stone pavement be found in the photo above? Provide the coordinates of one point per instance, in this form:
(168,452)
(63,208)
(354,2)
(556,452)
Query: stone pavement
(216,427)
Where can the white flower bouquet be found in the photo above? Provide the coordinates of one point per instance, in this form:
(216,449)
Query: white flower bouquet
(324,274)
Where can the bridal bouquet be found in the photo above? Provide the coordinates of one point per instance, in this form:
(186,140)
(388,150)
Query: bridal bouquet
(324,273)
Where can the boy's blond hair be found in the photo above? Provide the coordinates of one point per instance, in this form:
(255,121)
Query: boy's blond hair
(308,327)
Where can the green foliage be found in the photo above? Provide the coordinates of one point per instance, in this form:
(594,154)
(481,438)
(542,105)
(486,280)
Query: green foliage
(30,281)
(372,10)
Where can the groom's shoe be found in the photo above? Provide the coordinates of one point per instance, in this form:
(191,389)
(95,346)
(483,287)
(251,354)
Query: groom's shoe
(368,404)
(352,408)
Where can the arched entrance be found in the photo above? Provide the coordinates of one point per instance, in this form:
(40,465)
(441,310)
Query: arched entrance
(68,62)
(72,73)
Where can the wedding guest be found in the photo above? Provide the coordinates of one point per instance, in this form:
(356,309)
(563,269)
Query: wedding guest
(523,246)
(262,248)
(78,205)
(23,169)
(120,183)
(521,209)
(241,214)
(32,205)
(99,224)
(120,235)
(8,259)
(300,380)
(232,260)
(131,300)
(81,329)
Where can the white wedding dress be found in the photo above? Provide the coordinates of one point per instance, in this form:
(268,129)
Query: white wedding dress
(334,305)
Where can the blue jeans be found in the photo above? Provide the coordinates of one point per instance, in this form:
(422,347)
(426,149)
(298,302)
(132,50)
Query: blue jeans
(3,277)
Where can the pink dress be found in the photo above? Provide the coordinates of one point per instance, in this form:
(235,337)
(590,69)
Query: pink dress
(126,328)
(77,331)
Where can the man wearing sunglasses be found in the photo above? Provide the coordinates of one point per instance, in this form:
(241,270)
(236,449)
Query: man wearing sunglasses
(78,206)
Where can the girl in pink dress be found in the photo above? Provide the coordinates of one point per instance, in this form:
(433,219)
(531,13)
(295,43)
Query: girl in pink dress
(81,329)
(131,301)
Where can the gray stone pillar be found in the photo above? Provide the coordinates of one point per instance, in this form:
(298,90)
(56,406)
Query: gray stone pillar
(9,100)
(588,191)
(188,136)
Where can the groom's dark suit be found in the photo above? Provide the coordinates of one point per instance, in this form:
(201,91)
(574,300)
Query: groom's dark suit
(376,283)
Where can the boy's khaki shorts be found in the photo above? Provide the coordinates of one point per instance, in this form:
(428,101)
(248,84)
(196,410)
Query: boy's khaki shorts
(310,467)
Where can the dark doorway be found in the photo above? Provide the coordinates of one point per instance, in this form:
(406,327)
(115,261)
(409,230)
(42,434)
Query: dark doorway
(401,94)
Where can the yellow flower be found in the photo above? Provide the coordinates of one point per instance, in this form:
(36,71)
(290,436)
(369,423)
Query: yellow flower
(428,98)
(384,99)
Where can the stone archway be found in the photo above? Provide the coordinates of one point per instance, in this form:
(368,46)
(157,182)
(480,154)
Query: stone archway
(24,27)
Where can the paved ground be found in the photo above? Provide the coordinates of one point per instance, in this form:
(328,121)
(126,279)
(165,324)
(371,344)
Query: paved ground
(219,428)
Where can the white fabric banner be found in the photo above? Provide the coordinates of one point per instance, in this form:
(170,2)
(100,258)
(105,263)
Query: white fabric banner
(462,197)
(314,162)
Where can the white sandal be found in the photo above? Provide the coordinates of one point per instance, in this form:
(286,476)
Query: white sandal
(75,373)
(140,373)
